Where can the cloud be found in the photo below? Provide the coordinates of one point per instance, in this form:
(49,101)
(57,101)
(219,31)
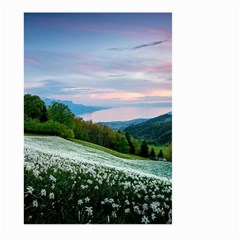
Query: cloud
(149,44)
(117,75)
(139,46)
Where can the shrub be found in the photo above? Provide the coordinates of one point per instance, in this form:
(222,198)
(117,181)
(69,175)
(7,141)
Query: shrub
(50,128)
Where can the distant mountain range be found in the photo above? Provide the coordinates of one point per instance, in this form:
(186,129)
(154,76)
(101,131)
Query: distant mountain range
(77,109)
(156,130)
(120,125)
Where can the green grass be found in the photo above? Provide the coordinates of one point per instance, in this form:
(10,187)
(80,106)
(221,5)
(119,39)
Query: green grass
(107,150)
(101,148)
(158,148)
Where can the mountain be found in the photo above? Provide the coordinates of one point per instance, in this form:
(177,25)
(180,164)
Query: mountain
(156,130)
(77,109)
(120,125)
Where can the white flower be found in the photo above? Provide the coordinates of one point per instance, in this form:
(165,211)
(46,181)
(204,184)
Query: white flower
(43,192)
(136,208)
(114,214)
(51,195)
(89,211)
(145,206)
(96,187)
(52,178)
(53,186)
(89,181)
(153,216)
(154,205)
(111,200)
(36,172)
(157,210)
(127,210)
(127,202)
(30,189)
(35,203)
(80,202)
(145,220)
(114,205)
(87,199)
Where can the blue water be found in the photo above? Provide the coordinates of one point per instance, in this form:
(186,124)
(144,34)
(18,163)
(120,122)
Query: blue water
(125,113)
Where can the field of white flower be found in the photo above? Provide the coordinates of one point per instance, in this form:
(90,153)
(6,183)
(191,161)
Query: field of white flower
(66,182)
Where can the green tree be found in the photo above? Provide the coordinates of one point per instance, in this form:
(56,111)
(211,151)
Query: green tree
(132,148)
(160,154)
(152,154)
(61,113)
(144,149)
(44,118)
(170,152)
(34,107)
(80,129)
(121,143)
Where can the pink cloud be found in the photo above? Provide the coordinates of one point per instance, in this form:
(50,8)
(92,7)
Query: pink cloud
(30,61)
(131,33)
(159,31)
(166,67)
(123,95)
(159,92)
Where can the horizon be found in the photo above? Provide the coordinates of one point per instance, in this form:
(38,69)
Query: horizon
(99,59)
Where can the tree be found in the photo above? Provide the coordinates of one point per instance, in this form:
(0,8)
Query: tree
(80,129)
(130,143)
(170,152)
(34,107)
(160,154)
(144,150)
(61,113)
(152,154)
(44,118)
(121,143)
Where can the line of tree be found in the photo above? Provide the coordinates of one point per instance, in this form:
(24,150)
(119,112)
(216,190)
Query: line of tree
(59,120)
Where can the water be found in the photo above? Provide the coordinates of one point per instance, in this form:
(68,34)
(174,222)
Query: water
(125,113)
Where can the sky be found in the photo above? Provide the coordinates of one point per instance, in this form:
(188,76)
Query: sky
(99,59)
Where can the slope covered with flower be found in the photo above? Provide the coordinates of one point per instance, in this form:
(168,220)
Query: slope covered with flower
(70,183)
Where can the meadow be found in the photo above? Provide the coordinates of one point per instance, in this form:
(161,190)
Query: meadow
(66,182)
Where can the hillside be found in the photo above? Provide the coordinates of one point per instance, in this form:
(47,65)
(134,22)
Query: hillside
(56,146)
(120,125)
(77,109)
(156,130)
(66,182)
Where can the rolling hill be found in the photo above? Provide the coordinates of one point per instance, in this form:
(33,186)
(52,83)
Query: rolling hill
(71,183)
(59,147)
(156,130)
(120,125)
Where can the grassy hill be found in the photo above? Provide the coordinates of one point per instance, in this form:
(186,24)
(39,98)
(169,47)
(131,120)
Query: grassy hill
(67,182)
(107,150)
(156,130)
